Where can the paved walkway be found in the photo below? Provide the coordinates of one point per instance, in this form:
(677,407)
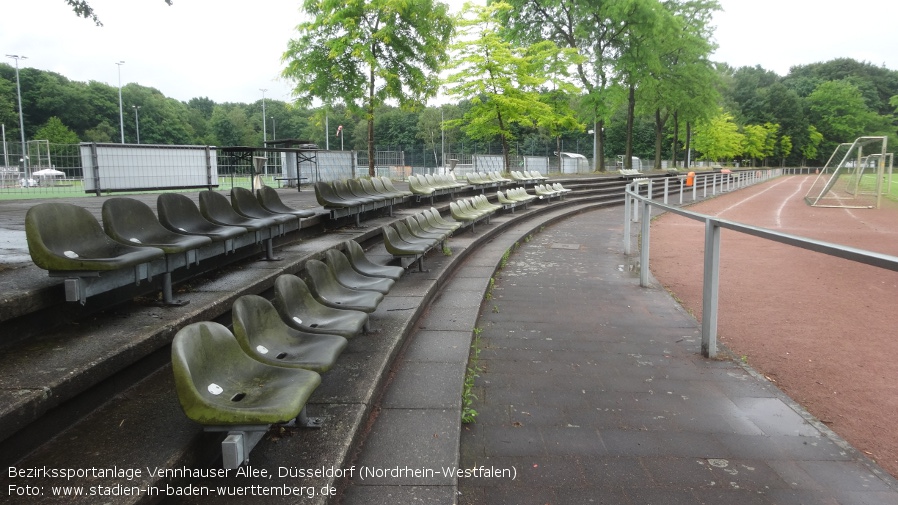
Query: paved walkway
(592,390)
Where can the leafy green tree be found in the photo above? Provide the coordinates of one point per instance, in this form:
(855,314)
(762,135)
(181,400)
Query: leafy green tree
(877,84)
(592,28)
(771,140)
(431,128)
(686,76)
(718,138)
(9,113)
(229,126)
(809,149)
(754,139)
(502,81)
(784,148)
(839,112)
(747,93)
(362,53)
(102,132)
(56,132)
(83,9)
(639,54)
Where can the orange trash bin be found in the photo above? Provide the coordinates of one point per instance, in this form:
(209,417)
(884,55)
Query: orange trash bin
(690,179)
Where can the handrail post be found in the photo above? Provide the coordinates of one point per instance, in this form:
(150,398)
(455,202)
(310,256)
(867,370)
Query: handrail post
(666,185)
(627,203)
(710,288)
(644,250)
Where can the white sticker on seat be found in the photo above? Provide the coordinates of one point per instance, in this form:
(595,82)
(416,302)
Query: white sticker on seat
(298,320)
(215,389)
(70,254)
(132,239)
(262,349)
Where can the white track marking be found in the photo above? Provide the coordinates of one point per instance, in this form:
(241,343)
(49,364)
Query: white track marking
(779,211)
(740,202)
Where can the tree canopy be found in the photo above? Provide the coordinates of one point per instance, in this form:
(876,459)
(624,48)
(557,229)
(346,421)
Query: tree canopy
(638,71)
(362,53)
(502,81)
(83,9)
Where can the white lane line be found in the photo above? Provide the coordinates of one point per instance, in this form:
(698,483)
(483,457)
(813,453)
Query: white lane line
(779,211)
(740,202)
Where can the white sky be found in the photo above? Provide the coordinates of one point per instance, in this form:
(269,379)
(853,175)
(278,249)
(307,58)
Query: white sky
(230,49)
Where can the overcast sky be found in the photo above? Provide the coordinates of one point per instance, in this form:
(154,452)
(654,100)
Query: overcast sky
(228,50)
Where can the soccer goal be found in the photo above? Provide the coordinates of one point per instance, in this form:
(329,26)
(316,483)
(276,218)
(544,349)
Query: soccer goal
(856,176)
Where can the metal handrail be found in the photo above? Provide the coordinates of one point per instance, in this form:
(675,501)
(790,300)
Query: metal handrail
(711,269)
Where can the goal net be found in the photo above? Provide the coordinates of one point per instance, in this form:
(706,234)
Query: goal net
(856,176)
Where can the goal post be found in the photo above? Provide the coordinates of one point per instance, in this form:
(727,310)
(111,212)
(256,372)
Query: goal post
(855,176)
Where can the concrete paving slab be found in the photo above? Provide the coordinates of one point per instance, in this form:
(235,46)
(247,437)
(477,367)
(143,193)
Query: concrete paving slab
(425,385)
(439,346)
(391,495)
(409,447)
(623,375)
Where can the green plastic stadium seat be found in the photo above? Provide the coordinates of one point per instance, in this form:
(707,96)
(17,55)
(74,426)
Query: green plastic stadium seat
(328,291)
(66,238)
(179,214)
(266,338)
(218,384)
(347,276)
(270,200)
(361,263)
(299,309)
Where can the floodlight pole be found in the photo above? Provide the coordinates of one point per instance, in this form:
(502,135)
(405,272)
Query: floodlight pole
(5,152)
(121,112)
(21,114)
(264,131)
(137,120)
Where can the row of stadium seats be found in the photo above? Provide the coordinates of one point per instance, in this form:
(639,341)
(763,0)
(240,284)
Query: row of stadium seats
(265,371)
(133,245)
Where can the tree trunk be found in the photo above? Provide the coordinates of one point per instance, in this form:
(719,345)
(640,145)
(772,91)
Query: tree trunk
(600,145)
(558,153)
(370,114)
(659,134)
(631,109)
(676,139)
(688,145)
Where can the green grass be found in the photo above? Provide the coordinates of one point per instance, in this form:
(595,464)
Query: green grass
(468,414)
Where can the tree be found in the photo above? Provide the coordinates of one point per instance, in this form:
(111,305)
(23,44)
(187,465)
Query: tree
(839,112)
(809,150)
(784,148)
(83,9)
(685,80)
(718,138)
(503,81)
(876,83)
(592,28)
(56,132)
(364,52)
(754,139)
